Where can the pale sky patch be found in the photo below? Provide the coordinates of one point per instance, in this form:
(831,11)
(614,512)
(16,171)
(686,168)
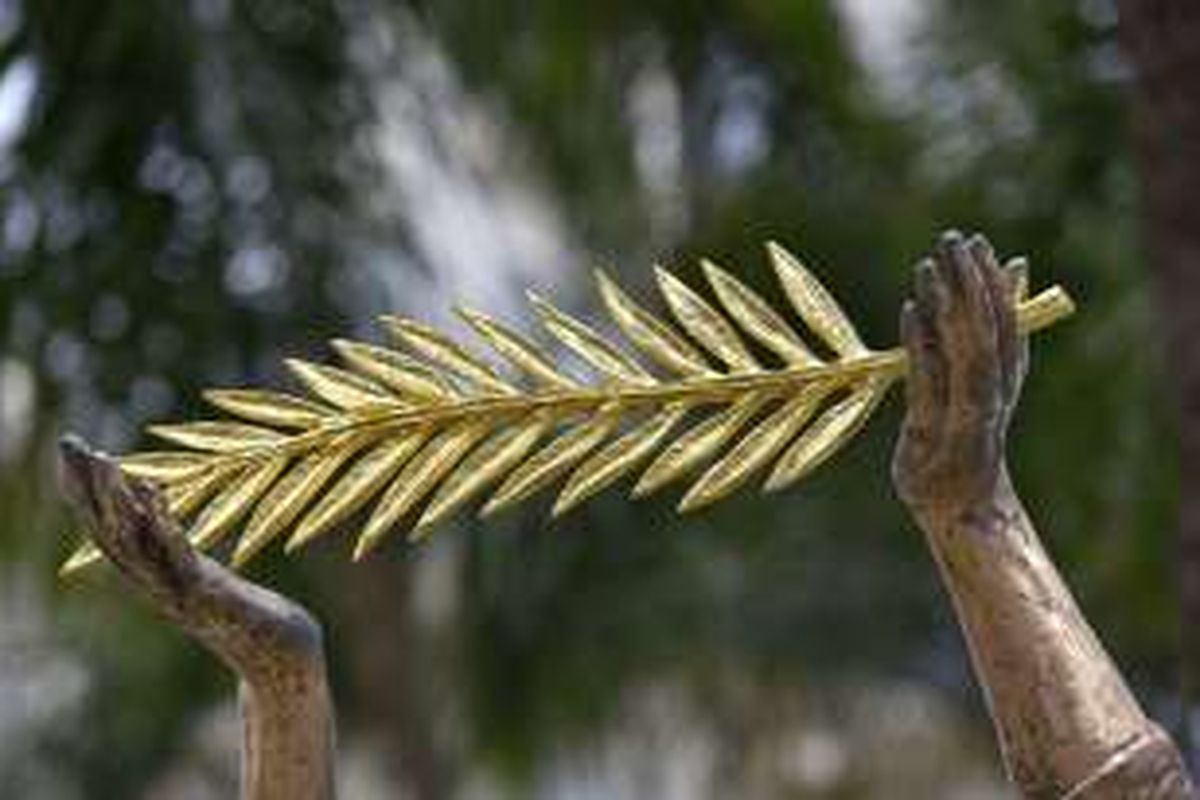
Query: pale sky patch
(883,36)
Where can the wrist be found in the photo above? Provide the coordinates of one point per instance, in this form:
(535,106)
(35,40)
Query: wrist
(991,509)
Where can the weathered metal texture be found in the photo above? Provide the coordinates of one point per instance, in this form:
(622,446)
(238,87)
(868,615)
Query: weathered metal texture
(272,644)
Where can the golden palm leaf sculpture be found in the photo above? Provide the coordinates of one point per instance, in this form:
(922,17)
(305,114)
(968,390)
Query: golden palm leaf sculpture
(430,426)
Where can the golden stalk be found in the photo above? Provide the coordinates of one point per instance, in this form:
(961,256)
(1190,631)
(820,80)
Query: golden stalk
(430,424)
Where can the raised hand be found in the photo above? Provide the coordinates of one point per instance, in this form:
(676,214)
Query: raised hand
(272,643)
(967,365)
(1068,726)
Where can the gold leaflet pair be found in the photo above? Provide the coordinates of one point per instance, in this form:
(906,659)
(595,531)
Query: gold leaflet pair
(429,422)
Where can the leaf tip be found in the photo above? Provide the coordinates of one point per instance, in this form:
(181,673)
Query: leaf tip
(694,500)
(242,555)
(776,250)
(776,482)
(421,531)
(214,396)
(535,299)
(711,270)
(85,556)
(161,431)
(564,503)
(468,315)
(363,547)
(397,327)
(493,505)
(641,489)
(434,513)
(297,366)
(297,540)
(783,260)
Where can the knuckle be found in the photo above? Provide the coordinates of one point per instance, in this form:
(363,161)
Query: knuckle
(295,633)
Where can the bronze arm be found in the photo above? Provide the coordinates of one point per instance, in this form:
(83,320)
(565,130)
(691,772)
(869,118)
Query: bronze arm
(273,644)
(1068,727)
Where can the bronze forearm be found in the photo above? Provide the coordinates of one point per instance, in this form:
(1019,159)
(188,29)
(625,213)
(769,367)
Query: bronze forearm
(273,644)
(1066,722)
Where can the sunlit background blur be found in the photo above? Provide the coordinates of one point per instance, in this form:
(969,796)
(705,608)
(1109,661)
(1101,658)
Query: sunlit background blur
(192,189)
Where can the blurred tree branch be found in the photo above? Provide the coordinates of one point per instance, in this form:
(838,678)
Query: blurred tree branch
(1162,38)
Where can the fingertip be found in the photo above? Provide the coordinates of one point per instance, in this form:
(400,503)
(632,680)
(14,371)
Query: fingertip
(951,237)
(926,269)
(982,249)
(997,289)
(951,260)
(933,295)
(970,275)
(917,334)
(1016,271)
(927,277)
(908,321)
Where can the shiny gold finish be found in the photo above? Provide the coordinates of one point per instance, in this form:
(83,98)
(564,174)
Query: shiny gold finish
(430,418)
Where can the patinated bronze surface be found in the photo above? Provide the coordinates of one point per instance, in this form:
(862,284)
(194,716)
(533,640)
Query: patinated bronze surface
(271,643)
(1066,722)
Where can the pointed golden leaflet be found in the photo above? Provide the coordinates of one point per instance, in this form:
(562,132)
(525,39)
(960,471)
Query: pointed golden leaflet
(291,494)
(655,338)
(815,304)
(84,556)
(234,502)
(165,467)
(754,451)
(484,467)
(269,408)
(826,434)
(618,458)
(554,459)
(432,422)
(337,386)
(705,323)
(408,378)
(691,449)
(443,352)
(418,478)
(523,354)
(756,317)
(216,436)
(186,497)
(588,344)
(357,487)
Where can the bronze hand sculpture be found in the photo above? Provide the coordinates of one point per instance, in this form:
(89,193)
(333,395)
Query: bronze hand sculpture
(1068,727)
(1066,722)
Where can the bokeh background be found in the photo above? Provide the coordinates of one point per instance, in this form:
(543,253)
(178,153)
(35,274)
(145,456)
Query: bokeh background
(192,189)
